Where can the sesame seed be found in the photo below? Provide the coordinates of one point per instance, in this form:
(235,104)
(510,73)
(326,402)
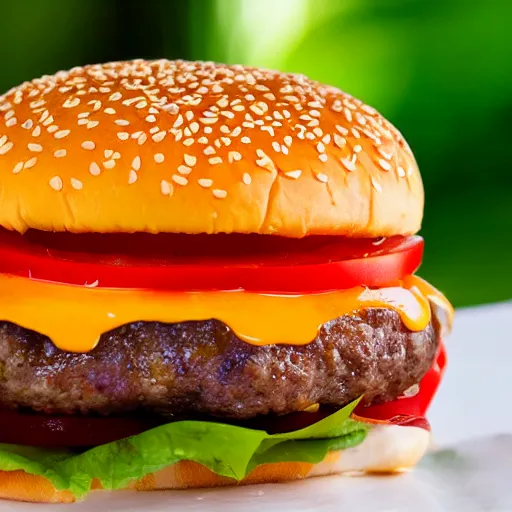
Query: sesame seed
(76,184)
(385,164)
(188,142)
(339,141)
(56,183)
(88,145)
(288,140)
(190,160)
(123,135)
(245,140)
(159,137)
(60,153)
(183,169)
(234,156)
(159,158)
(35,148)
(61,134)
(246,178)
(323,157)
(18,168)
(96,104)
(94,169)
(358,148)
(205,183)
(132,177)
(166,188)
(136,163)
(209,120)
(215,160)
(11,122)
(71,103)
(264,160)
(180,180)
(172,108)
(219,194)
(142,139)
(376,185)
(30,163)
(342,130)
(293,174)
(151,118)
(386,154)
(6,148)
(322,177)
(28,124)
(110,111)
(108,153)
(122,122)
(348,164)
(109,164)
(36,132)
(116,96)
(401,171)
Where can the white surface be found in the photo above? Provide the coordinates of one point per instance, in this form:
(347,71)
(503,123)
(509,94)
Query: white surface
(472,422)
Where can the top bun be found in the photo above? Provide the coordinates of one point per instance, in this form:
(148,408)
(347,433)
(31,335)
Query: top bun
(195,147)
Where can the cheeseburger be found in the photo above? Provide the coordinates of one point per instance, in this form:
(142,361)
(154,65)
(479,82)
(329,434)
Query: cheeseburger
(207,279)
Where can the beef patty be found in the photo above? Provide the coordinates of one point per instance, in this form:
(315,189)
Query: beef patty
(202,367)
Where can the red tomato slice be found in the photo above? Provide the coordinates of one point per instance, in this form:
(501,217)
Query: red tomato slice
(33,429)
(255,263)
(408,410)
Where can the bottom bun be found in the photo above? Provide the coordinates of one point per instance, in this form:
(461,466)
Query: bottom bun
(387,449)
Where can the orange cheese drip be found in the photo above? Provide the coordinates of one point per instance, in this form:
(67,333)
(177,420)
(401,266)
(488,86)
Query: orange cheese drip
(443,309)
(75,317)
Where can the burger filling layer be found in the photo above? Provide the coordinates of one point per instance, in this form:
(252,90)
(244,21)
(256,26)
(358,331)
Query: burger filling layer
(202,368)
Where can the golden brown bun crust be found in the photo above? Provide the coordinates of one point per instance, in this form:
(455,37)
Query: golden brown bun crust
(387,449)
(201,148)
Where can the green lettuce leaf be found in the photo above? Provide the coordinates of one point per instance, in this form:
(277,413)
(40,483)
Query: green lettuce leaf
(225,449)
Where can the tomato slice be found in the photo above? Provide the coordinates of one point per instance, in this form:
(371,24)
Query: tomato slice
(33,429)
(254,263)
(408,410)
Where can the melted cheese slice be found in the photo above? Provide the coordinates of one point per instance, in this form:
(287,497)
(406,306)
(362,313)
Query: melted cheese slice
(75,317)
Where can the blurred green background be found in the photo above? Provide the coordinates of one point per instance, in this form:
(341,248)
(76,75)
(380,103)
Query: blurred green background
(440,70)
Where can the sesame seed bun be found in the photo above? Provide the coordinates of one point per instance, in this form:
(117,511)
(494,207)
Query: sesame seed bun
(387,449)
(198,147)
